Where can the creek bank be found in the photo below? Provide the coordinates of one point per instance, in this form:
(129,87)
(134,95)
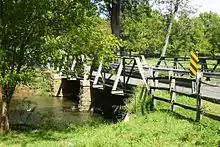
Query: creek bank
(159,128)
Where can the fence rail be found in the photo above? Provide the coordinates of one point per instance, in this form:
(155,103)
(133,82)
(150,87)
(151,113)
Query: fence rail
(161,69)
(196,95)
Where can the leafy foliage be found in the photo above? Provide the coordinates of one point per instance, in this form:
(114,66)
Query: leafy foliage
(33,32)
(49,29)
(143,30)
(198,33)
(86,34)
(21,40)
(210,24)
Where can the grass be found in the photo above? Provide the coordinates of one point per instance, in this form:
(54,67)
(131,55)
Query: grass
(160,127)
(206,106)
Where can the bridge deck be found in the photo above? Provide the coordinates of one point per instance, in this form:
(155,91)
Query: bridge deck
(206,90)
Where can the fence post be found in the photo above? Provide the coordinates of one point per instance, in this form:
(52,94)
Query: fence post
(151,83)
(156,82)
(175,61)
(198,100)
(194,87)
(172,87)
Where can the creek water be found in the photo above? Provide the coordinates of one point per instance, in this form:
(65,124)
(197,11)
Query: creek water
(37,111)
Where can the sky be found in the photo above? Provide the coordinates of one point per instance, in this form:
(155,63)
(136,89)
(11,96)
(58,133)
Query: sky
(207,5)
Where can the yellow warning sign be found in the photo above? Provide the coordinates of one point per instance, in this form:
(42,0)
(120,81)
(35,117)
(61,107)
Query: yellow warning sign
(193,63)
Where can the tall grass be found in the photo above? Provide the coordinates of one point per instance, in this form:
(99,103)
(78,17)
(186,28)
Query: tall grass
(139,102)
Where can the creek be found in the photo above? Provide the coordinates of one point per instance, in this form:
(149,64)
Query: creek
(40,110)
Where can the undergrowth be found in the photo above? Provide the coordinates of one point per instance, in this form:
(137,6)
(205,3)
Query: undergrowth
(41,83)
(139,102)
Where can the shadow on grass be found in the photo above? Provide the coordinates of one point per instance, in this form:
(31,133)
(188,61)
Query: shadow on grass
(176,115)
(23,138)
(24,134)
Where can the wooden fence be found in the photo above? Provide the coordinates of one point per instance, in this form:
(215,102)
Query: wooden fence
(195,94)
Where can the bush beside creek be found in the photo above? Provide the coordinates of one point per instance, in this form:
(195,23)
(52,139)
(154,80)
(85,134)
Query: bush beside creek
(40,85)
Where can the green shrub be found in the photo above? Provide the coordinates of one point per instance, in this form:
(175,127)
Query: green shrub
(41,83)
(139,102)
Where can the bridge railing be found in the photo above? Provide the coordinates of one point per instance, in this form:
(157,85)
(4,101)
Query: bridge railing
(208,64)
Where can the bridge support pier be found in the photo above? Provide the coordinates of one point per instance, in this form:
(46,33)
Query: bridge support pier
(84,95)
(56,86)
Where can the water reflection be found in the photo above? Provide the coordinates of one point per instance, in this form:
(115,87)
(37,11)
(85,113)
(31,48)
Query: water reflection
(37,111)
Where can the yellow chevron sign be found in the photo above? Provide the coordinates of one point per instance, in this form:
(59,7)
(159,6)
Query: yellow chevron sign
(193,63)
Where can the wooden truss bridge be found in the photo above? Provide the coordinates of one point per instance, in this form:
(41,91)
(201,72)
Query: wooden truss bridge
(174,77)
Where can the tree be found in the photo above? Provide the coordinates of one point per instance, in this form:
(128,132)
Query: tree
(142,28)
(210,23)
(181,38)
(22,26)
(172,7)
(112,9)
(115,12)
(195,33)
(32,30)
(86,34)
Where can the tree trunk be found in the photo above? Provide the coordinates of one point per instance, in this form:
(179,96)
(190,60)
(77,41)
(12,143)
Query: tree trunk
(115,18)
(172,16)
(166,41)
(115,22)
(7,92)
(4,125)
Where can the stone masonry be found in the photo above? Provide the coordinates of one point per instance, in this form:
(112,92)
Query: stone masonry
(84,95)
(56,83)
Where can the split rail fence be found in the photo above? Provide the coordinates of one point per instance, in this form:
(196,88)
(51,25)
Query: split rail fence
(195,94)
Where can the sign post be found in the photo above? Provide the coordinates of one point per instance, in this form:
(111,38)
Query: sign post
(194,72)
(193,68)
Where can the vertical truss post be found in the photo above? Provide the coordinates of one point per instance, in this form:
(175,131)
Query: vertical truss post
(130,72)
(143,60)
(98,74)
(86,72)
(73,65)
(123,60)
(175,65)
(141,70)
(118,76)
